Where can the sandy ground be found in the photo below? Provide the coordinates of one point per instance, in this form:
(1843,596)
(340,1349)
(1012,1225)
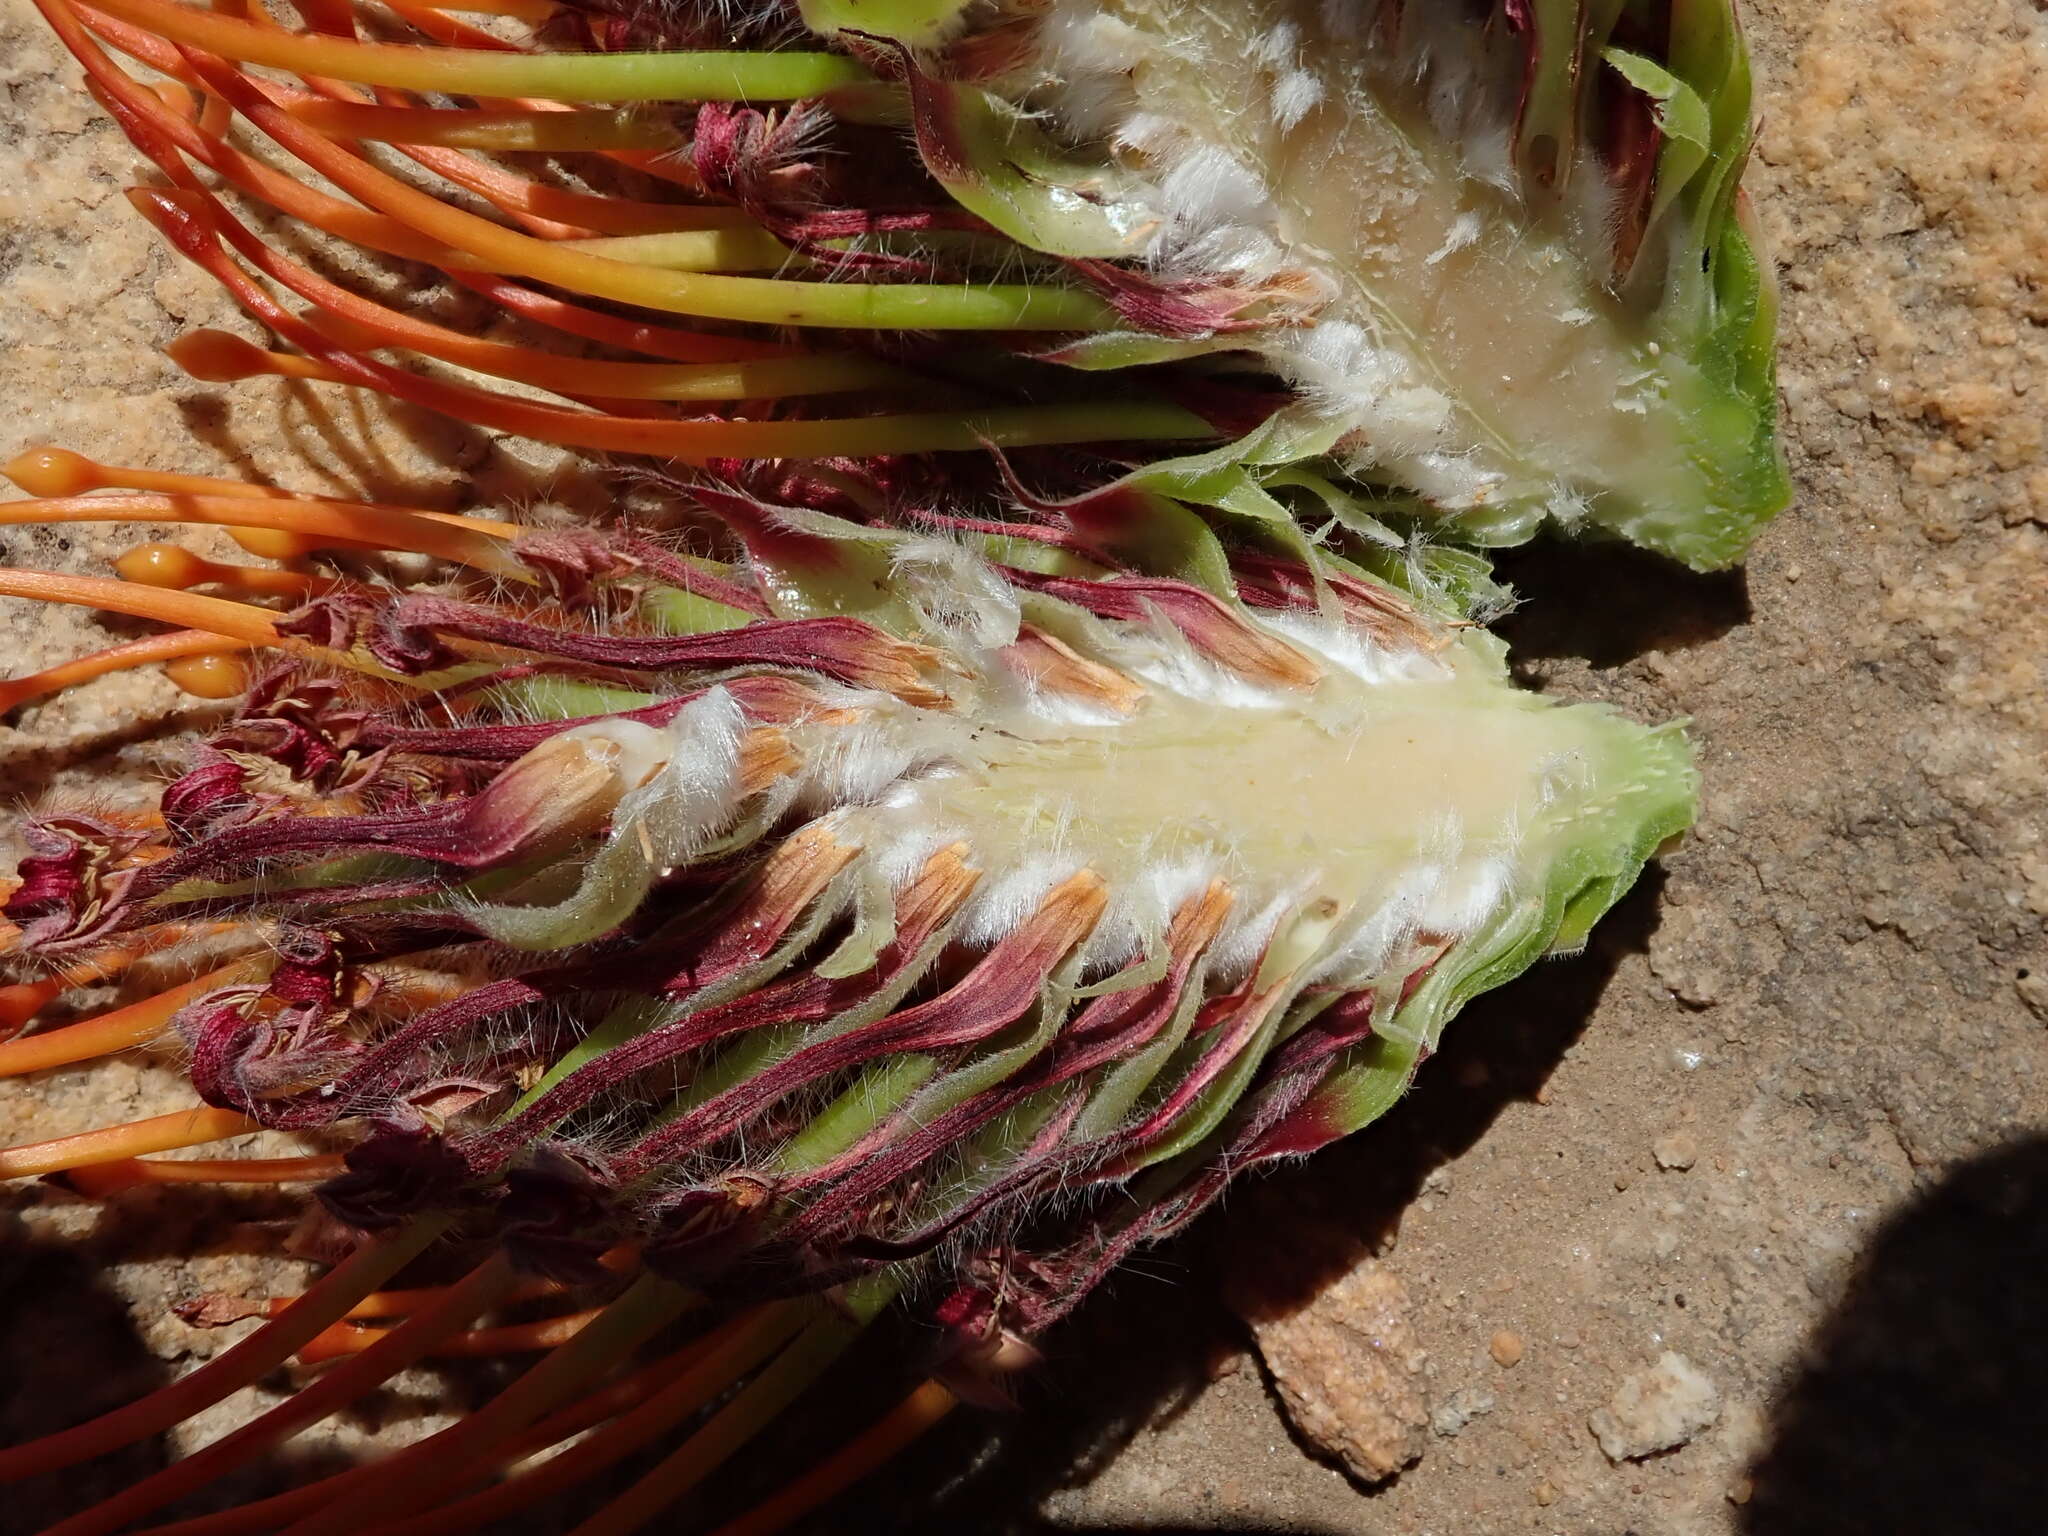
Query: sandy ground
(1782,1120)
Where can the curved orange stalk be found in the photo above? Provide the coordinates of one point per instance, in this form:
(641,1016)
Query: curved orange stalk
(236,621)
(620,1260)
(362,324)
(239,1366)
(58,473)
(543,131)
(473,541)
(24,1000)
(606,1402)
(116,1143)
(597,77)
(119,1030)
(620,331)
(403,1303)
(16,691)
(52,472)
(443,28)
(347,1338)
(187,223)
(448,1459)
(220,356)
(137,107)
(551,212)
(554,213)
(102,1180)
(727,1354)
(592,378)
(563,213)
(773,301)
(156,129)
(394,1350)
(240,621)
(848,1465)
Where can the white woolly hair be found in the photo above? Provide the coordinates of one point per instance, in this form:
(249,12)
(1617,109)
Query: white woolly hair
(691,794)
(1213,213)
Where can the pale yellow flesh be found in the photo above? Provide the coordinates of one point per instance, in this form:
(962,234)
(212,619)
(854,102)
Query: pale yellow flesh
(1544,369)
(1342,792)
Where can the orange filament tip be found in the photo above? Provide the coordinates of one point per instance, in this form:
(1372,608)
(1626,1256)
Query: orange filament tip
(275,543)
(51,471)
(23,1001)
(164,565)
(217,357)
(180,98)
(210,677)
(171,565)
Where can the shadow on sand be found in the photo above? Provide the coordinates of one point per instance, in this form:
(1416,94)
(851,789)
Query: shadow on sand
(1922,1408)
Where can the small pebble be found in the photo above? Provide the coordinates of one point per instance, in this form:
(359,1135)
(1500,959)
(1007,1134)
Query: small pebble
(1506,1348)
(1546,1493)
(1658,1409)
(1460,1409)
(1677,1152)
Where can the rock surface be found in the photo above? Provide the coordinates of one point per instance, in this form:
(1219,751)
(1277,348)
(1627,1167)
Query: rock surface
(1658,1409)
(1347,1369)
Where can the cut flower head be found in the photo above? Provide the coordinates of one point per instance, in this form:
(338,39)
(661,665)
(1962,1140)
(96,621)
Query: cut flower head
(1036,759)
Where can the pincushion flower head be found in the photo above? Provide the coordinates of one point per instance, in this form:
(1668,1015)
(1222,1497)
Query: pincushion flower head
(1042,764)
